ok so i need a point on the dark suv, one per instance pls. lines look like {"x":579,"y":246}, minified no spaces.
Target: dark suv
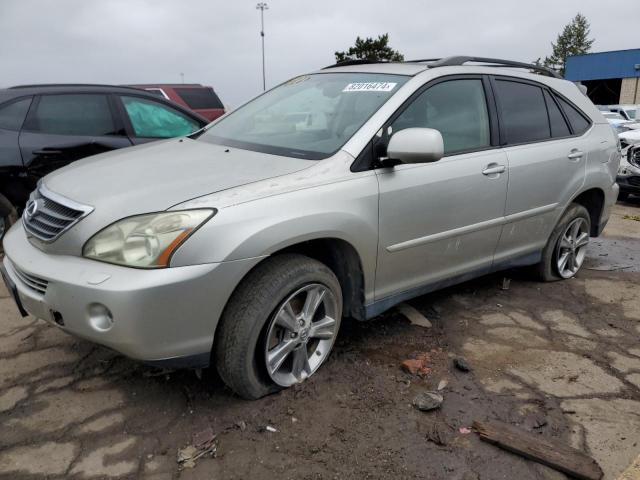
{"x":44,"y":127}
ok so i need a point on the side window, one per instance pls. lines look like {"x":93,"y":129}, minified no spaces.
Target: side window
{"x":559,"y":127}
{"x":77,"y":114}
{"x":457,"y":109}
{"x":579,"y":124}
{"x":523,"y":112}
{"x":151,"y":119}
{"x":12,"y":114}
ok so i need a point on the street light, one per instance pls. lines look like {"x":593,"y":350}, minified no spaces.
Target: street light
{"x":262,"y":6}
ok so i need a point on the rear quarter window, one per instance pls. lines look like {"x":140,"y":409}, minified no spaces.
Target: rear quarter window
{"x":199,"y":98}
{"x":577,"y":119}
{"x":12,"y":114}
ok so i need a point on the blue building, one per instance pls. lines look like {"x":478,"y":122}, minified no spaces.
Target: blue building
{"x":610,"y":77}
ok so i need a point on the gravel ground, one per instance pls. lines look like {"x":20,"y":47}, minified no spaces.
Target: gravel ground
{"x":560,"y":359}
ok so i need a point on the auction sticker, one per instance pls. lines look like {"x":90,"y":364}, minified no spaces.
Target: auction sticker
{"x":370,"y":87}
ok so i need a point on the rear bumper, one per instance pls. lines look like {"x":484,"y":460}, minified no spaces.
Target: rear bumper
{"x":166,"y":316}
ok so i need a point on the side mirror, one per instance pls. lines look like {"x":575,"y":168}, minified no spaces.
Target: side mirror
{"x":416,"y":145}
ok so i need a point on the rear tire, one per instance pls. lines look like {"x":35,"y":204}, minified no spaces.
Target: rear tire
{"x":249,"y":331}
{"x":560,"y":243}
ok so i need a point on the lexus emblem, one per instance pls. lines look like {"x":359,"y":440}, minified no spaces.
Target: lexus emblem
{"x":32,"y":208}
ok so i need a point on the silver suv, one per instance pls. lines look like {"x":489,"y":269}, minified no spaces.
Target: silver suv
{"x":336,"y":194}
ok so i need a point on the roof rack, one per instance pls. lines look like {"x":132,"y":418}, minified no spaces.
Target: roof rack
{"x":457,"y":61}
{"x":360,"y":61}
{"x":53,"y":85}
{"x":497,"y":62}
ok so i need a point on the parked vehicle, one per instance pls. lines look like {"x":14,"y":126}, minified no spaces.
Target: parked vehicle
{"x":629,"y":173}
{"x":618,"y":122}
{"x":244,"y":245}
{"x":628,"y":112}
{"x":199,"y":98}
{"x":44,"y":127}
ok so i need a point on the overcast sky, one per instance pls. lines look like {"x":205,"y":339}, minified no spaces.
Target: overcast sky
{"x":217,"y":43}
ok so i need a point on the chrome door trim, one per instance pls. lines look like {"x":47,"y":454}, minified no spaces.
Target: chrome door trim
{"x":471,"y":228}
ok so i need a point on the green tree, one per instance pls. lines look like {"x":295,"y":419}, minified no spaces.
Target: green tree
{"x":574,"y":40}
{"x":371,"y":49}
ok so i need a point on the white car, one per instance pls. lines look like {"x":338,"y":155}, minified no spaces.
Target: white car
{"x":628,"y":111}
{"x":619,"y":123}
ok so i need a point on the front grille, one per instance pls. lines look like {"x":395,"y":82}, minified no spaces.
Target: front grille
{"x":36,"y":284}
{"x":635,"y":181}
{"x":48,"y":215}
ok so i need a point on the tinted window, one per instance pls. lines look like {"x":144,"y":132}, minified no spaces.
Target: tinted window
{"x":199,"y":97}
{"x":154,"y":120}
{"x":457,"y":109}
{"x":12,"y":115}
{"x":72,"y":115}
{"x":579,"y":124}
{"x":559,"y":127}
{"x":522,"y":112}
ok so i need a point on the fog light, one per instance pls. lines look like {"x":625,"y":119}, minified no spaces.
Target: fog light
{"x":100,"y":317}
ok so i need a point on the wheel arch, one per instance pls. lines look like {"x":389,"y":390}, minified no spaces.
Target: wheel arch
{"x":593,"y":200}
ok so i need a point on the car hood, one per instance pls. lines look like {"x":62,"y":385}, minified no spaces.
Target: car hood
{"x":156,"y":176}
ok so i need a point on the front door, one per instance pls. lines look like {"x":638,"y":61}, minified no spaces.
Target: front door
{"x":63,"y":128}
{"x":441,"y":221}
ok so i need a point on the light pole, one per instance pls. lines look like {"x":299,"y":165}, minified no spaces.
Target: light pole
{"x":262,"y":6}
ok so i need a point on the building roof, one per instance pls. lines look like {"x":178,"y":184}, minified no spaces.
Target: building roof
{"x":603,"y":65}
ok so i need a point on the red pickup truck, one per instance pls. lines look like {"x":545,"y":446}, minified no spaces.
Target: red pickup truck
{"x":198,"y":98}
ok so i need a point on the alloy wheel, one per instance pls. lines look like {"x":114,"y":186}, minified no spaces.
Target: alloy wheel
{"x":301,"y":334}
{"x":572,"y":248}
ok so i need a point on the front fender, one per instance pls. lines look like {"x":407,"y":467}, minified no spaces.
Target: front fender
{"x":345,"y":210}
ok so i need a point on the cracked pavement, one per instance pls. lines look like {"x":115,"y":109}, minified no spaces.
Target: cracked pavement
{"x":561,"y":359}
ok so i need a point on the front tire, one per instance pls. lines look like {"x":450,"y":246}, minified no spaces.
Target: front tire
{"x":566,"y":248}
{"x":8,"y":216}
{"x":279,"y":325}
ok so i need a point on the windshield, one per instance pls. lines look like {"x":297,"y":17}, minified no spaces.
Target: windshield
{"x":311,"y":116}
{"x":631,"y":112}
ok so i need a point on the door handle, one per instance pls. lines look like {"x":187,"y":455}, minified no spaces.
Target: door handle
{"x":575,"y":154}
{"x":493,"y":169}
{"x":47,"y":152}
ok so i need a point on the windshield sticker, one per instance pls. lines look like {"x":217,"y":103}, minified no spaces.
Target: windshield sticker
{"x":370,"y":87}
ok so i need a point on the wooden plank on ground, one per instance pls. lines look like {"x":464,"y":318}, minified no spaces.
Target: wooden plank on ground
{"x":534,"y":447}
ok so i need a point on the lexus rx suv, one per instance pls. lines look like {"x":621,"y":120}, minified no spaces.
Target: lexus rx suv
{"x":338,"y":193}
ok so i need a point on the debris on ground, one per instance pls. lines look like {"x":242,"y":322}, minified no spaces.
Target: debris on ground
{"x":506,"y":282}
{"x":413,"y":315}
{"x":464,"y":430}
{"x":157,"y":372}
{"x":548,"y":452}
{"x":267,"y":428}
{"x":632,"y":217}
{"x":242,"y":425}
{"x":438,"y":433}
{"x":426,"y":401}
{"x":534,"y":421}
{"x":203,"y":443}
{"x":443,"y":384}
{"x":461,"y":364}
{"x":418,"y":365}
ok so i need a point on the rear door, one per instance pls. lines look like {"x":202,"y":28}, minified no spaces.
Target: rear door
{"x":441,"y":221}
{"x":62,"y":128}
{"x":12,"y":116}
{"x":147,"y":120}
{"x":547,"y":164}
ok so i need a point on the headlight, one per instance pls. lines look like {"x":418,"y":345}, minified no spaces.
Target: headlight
{"x":145,"y":241}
